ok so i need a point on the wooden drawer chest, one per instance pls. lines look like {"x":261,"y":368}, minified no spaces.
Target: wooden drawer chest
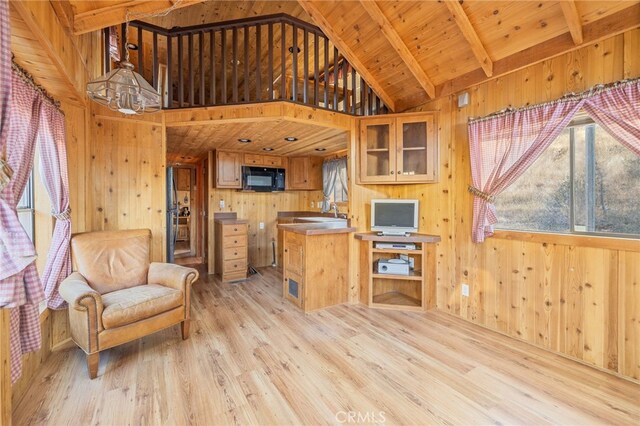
{"x":231,"y":248}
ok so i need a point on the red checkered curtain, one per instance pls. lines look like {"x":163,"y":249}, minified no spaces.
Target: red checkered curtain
{"x":617,"y":110}
{"x":20,"y":287}
{"x":53,"y":169}
{"x":5,"y":89}
{"x":502,"y":147}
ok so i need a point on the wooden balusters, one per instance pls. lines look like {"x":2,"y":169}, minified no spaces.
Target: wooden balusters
{"x":305,"y":66}
{"x":201,"y":65}
{"x":258,"y":63}
{"x":169,"y":72}
{"x":335,"y":79}
{"x":190,"y":69}
{"x":140,"y":57}
{"x":180,"y":74}
{"x":207,"y":67}
{"x":234,"y":69}
{"x":294,"y":66}
{"x":283,"y":65}
{"x":316,"y":68}
{"x":154,"y":55}
{"x":326,"y":72}
{"x":270,"y":70}
{"x":212,"y":62}
{"x":223,"y":39}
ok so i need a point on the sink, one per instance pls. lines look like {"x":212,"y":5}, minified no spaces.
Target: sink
{"x":321,"y":219}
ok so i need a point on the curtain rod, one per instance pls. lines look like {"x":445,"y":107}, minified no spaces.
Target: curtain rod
{"x":28,"y":78}
{"x":571,"y":96}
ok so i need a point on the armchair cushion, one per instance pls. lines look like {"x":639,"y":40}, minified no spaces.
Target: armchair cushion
{"x":134,"y":304}
{"x":112,"y":260}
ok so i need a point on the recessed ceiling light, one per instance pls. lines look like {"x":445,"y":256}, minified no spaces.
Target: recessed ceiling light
{"x":267,"y":149}
{"x":290,"y":139}
{"x":291,"y":49}
{"x":321,"y":149}
{"x":244,"y":140}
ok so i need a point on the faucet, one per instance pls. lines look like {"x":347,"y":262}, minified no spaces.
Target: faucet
{"x":334,"y":207}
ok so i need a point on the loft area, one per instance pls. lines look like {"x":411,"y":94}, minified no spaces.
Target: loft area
{"x":252,"y":60}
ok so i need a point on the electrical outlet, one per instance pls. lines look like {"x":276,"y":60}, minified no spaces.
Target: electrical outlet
{"x":221,"y":204}
{"x":312,"y":204}
{"x":261,"y":225}
{"x":465,"y":290}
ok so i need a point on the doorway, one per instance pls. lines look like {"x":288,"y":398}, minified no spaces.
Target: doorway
{"x":184,"y":208}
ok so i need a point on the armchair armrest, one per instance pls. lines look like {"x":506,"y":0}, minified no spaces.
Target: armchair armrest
{"x":170,"y":275}
{"x":79,"y":295}
{"x":85,"y":311}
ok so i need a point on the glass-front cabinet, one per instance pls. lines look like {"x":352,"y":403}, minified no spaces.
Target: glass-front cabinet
{"x":400,"y":148}
{"x":378,"y":150}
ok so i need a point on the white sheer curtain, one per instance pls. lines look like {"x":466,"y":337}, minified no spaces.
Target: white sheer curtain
{"x":334,"y":182}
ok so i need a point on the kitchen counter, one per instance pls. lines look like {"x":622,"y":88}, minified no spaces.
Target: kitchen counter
{"x":317,"y":228}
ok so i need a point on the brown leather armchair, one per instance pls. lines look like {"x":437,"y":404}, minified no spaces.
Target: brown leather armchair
{"x":116,"y":295}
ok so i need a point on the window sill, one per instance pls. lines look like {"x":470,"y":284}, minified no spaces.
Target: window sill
{"x":611,"y":243}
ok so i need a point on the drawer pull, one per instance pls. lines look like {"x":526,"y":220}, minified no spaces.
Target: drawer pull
{"x":235,"y":241}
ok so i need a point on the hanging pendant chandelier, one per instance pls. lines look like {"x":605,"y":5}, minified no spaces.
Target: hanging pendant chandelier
{"x":124,"y":90}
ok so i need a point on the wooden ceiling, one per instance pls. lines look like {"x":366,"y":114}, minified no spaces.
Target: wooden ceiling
{"x":411,"y":51}
{"x":192,"y":142}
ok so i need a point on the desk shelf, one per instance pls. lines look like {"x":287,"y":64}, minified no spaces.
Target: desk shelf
{"x":412,"y":292}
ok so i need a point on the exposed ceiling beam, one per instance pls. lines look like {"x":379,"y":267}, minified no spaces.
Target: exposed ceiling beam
{"x":462,"y":20}
{"x":394,"y":39}
{"x":315,"y":14}
{"x":607,"y":27}
{"x":64,"y":12}
{"x":116,"y":13}
{"x":572,"y":17}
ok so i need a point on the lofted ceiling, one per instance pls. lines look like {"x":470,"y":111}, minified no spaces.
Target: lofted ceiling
{"x":412,"y":51}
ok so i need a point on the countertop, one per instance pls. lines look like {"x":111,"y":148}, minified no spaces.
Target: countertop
{"x":316,"y":228}
{"x":303,"y":214}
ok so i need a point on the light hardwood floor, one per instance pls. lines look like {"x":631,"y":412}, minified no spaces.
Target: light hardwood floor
{"x":255,"y":359}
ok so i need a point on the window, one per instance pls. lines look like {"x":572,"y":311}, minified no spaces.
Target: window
{"x":26,"y":208}
{"x":585,"y":182}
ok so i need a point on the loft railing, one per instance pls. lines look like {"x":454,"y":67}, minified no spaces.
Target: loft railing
{"x":269,"y":58}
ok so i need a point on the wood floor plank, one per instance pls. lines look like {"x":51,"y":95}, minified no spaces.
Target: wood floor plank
{"x":254,"y":358}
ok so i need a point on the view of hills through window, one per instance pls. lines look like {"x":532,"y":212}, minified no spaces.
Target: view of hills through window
{"x":602,"y":175}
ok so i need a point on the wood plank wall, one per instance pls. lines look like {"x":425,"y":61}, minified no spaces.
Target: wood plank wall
{"x":256,"y":208}
{"x":576,"y":300}
{"x":127,"y":175}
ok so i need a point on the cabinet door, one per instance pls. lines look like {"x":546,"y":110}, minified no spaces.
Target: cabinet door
{"x":377,"y":150}
{"x":293,"y":253}
{"x":183,"y":180}
{"x":253,"y":159}
{"x":298,"y":168}
{"x":228,"y":169}
{"x":416,"y":149}
{"x":272,"y":160}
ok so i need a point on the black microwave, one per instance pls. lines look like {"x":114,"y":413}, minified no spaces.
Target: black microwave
{"x":262,"y":179}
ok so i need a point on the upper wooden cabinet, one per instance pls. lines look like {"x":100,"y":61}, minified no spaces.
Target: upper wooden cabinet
{"x":305,"y":173}
{"x":183,"y":181}
{"x":399,"y":148}
{"x":228,"y":170}
{"x":263,"y":160}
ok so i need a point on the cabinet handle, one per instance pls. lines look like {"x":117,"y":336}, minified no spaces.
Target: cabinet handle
{"x":237,"y":179}
{"x":286,"y":251}
{"x":391,"y":172}
{"x":399,"y":172}
{"x":235,"y":229}
{"x":235,"y":241}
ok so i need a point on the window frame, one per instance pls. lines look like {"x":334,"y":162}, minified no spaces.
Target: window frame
{"x":581,"y":119}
